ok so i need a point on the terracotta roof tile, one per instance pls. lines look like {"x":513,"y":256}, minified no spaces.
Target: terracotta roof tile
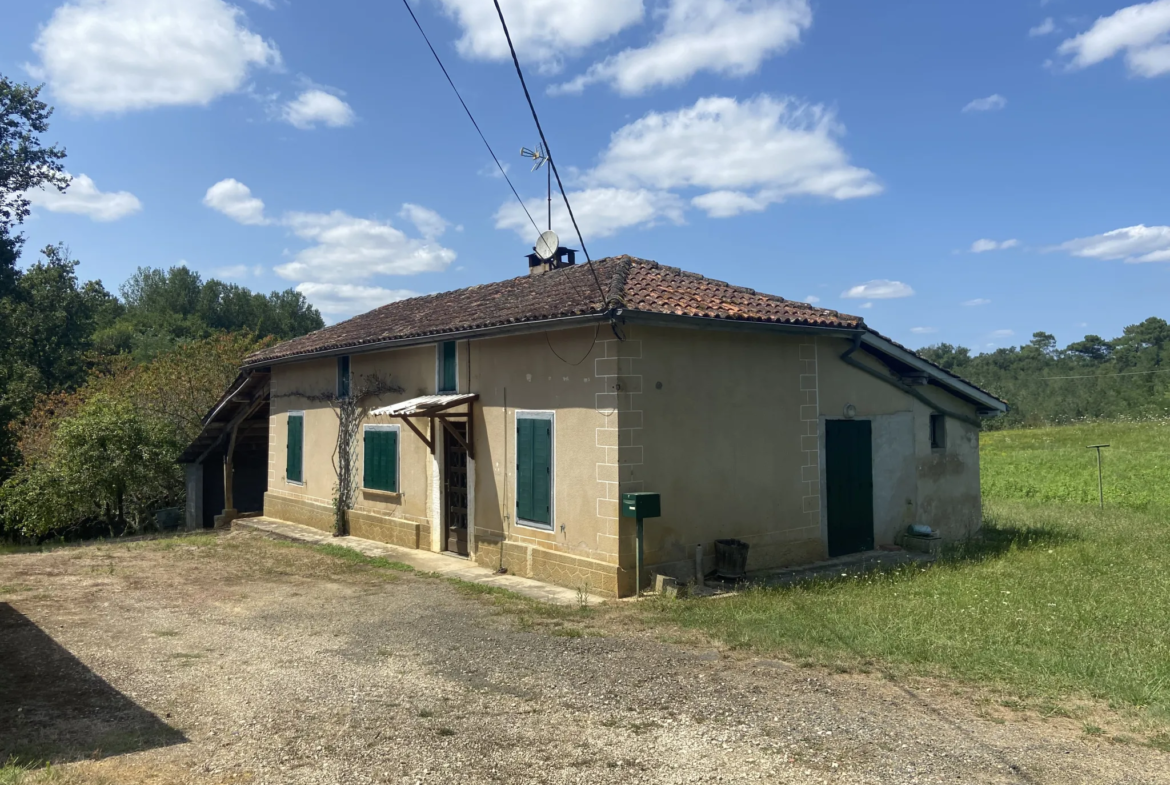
{"x":630,"y":283}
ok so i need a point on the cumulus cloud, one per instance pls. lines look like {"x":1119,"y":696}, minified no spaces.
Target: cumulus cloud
{"x":880,"y":289}
{"x":1047,"y":27}
{"x":238,"y":271}
{"x":812,"y":299}
{"x":1141,"y":32}
{"x":83,"y":197}
{"x":429,"y":223}
{"x":235,"y":200}
{"x":346,"y":248}
{"x":1134,"y":244}
{"x":983,"y":246}
{"x":744,"y":155}
{"x":600,"y":212}
{"x":727,"y":37}
{"x":341,"y":300}
{"x":317,"y":107}
{"x":923,"y":330}
{"x":977,"y":302}
{"x":544,"y":31}
{"x":120,"y":55}
{"x":989,"y":104}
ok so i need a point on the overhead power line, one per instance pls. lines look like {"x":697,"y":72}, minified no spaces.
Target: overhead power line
{"x":471,"y":117}
{"x":1108,"y":375}
{"x":548,"y":151}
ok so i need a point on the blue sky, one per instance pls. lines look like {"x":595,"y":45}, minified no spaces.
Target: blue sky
{"x":967,"y":172}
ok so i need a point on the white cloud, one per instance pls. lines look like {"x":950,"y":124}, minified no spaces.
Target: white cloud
{"x":543,"y":31}
{"x":118,"y":55}
{"x":867,"y":305}
{"x":347,"y":248}
{"x":1141,"y":31}
{"x":82,"y":197}
{"x":812,"y":299}
{"x":235,"y":200}
{"x":1134,"y":244}
{"x":983,"y":246}
{"x":600,"y":212}
{"x":924,"y":330}
{"x":343,"y":300}
{"x":429,"y":223}
{"x":316,"y":107}
{"x":1047,"y":27}
{"x":977,"y":302}
{"x":746,"y":155}
{"x":989,"y":104}
{"x":880,"y":289}
{"x":727,"y":37}
{"x":1002,"y":334}
{"x":238,"y":271}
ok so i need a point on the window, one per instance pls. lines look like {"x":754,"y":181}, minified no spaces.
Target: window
{"x":380,"y":465}
{"x":938,"y":431}
{"x":294,"y":466}
{"x":343,"y":377}
{"x":534,"y":465}
{"x":448,"y":367}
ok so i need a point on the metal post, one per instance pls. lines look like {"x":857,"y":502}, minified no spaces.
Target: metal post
{"x":638,"y":566}
{"x":1100,"y":477}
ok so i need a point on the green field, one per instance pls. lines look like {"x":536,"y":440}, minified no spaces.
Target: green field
{"x":1058,"y":607}
{"x":1054,"y":464}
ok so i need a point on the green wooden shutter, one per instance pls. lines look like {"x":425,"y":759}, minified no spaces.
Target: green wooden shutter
{"x":380,"y":471}
{"x":295,"y":456}
{"x":542,"y":471}
{"x":534,"y":470}
{"x":447,"y":376}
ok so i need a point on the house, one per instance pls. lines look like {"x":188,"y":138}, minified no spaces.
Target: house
{"x":502,"y":423}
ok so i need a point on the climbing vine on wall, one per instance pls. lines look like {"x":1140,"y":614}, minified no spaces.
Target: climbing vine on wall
{"x":351,"y":411}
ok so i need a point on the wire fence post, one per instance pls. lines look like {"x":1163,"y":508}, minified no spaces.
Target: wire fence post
{"x":1100,"y":479}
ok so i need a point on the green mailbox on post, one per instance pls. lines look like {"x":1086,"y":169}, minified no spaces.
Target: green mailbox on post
{"x":640,"y":505}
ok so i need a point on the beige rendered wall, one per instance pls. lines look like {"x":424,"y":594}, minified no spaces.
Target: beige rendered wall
{"x":730,"y":432}
{"x":510,"y":374}
{"x":913,"y":483}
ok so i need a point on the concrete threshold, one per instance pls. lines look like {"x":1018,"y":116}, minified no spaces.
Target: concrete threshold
{"x":446,"y":565}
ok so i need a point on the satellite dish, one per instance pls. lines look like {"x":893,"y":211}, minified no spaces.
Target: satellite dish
{"x":546,"y":246}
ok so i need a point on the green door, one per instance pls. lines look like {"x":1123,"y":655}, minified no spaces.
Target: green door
{"x":849,"y":485}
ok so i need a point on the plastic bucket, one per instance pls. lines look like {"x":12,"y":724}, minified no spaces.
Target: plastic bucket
{"x":731,"y":559}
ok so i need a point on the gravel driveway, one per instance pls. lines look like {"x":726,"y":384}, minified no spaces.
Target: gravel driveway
{"x":240,"y":659}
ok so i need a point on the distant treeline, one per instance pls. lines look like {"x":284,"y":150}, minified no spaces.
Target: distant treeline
{"x":1094,"y":378}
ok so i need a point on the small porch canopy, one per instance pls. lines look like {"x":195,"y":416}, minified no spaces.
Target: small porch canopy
{"x":436,"y":407}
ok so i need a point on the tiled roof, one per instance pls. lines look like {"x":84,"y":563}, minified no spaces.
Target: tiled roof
{"x":629,"y":283}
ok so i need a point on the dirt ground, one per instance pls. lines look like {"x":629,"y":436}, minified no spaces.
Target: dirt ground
{"x":240,"y":659}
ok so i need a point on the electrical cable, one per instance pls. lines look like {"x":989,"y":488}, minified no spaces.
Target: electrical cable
{"x":1107,"y":375}
{"x":588,"y":351}
{"x":548,"y":153}
{"x":472,"y":118}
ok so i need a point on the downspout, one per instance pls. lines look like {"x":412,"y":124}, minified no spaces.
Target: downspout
{"x":848,"y":359}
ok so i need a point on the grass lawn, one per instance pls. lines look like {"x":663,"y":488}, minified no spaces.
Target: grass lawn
{"x":1058,"y":603}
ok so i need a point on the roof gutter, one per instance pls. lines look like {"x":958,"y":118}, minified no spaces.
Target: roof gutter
{"x":849,"y":360}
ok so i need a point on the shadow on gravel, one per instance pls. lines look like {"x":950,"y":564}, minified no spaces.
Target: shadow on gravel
{"x":54,"y":709}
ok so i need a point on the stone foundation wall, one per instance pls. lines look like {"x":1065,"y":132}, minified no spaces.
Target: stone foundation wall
{"x":572,"y":572}
{"x":306,"y":513}
{"x":382,"y":528}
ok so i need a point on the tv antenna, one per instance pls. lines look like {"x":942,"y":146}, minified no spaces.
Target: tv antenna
{"x":539,"y":158}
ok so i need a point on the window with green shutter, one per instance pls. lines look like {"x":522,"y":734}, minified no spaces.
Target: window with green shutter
{"x":534,"y":468}
{"x":448,"y":367}
{"x":380,"y":465}
{"x":294,"y":466}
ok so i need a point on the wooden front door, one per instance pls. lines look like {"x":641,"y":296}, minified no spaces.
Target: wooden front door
{"x":849,"y":485}
{"x":455,"y":490}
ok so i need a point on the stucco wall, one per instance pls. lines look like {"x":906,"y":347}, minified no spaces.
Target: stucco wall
{"x":726,"y":425}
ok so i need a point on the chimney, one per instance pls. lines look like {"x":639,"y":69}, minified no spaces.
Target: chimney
{"x":564,"y":257}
